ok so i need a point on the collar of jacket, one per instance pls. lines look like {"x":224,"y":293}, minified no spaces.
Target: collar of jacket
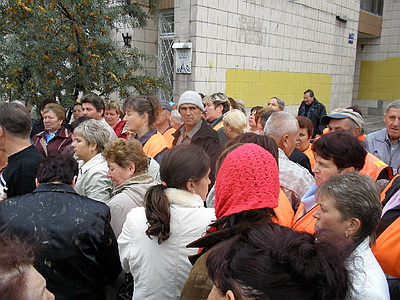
{"x":55,"y":187}
{"x":204,"y":132}
{"x":142,"y":178}
{"x":183,"y":198}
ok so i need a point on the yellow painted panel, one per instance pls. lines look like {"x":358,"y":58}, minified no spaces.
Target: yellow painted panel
{"x":257,"y":87}
{"x":380,"y":80}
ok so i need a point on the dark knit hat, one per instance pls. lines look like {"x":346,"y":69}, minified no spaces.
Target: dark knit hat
{"x":247,"y":179}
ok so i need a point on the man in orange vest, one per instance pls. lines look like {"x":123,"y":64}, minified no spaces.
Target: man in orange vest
{"x":346,"y":119}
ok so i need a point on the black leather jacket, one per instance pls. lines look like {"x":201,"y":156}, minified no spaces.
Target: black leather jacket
{"x":317,"y":111}
{"x":77,"y":252}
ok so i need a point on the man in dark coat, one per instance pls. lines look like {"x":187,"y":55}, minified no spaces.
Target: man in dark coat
{"x":18,"y":177}
{"x":76,"y":249}
{"x":314,"y":110}
{"x":195,"y":129}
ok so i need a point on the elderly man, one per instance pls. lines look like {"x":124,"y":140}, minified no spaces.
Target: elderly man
{"x":384,"y":143}
{"x":18,"y":177}
{"x":346,"y":119}
{"x":195,"y":129}
{"x":77,"y":252}
{"x":276,"y":104}
{"x":93,"y":106}
{"x":294,"y":179}
{"x":314,"y":110}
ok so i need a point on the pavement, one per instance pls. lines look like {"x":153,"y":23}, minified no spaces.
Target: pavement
{"x":373,"y":123}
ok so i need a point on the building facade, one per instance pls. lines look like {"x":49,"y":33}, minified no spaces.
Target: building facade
{"x":348,"y":52}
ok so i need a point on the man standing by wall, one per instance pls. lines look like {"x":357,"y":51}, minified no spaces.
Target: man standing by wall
{"x":314,"y":110}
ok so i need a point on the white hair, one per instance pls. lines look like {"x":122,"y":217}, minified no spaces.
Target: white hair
{"x":281,"y":123}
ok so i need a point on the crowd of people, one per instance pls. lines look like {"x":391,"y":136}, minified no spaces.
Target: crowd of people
{"x":198,"y":199}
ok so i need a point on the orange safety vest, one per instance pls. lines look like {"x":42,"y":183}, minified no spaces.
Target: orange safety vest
{"x":386,"y":248}
{"x":284,"y":212}
{"x":168,"y":135}
{"x":304,"y":222}
{"x":155,"y":144}
{"x":373,"y":166}
{"x":218,"y":126}
{"x":310,"y":155}
{"x":383,"y":194}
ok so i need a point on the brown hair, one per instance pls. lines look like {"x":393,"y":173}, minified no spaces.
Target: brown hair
{"x":57,"y":109}
{"x":305,"y":122}
{"x":123,"y":152}
{"x":180,"y":164}
{"x":144,"y":104}
{"x":15,"y":260}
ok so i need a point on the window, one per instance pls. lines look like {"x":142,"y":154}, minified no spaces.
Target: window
{"x":372,"y":6}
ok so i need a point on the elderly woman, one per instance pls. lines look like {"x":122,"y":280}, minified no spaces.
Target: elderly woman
{"x":303,"y":141}
{"x":268,"y":262}
{"x":127,"y":168}
{"x":112,"y":116}
{"x":234,"y":122}
{"x":335,"y":153}
{"x":349,"y":205}
{"x":55,"y":137}
{"x":215,"y":106}
{"x":90,"y":138}
{"x":140,"y":114}
{"x":153,"y":240}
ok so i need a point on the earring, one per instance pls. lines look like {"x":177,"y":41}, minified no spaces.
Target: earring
{"x":346,"y":235}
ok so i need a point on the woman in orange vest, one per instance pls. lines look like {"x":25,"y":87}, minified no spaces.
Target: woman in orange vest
{"x":303,"y":141}
{"x":350,"y":207}
{"x":140,"y":114}
{"x":335,"y":153}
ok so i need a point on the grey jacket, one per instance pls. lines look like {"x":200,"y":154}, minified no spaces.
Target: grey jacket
{"x":379,"y":145}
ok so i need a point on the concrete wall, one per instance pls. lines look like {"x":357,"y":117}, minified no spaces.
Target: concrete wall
{"x":377,"y":80}
{"x":254,"y":49}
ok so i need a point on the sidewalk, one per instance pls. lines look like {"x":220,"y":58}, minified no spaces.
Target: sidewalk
{"x":373,"y":123}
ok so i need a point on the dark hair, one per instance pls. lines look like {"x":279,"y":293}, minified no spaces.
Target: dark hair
{"x":144,"y":104}
{"x":15,"y":120}
{"x":264,"y":141}
{"x":310,"y":92}
{"x":263,"y":115}
{"x":15,"y":260}
{"x":95,"y":100}
{"x":78,"y":122}
{"x":354,"y":196}
{"x":343,"y":148}
{"x":57,"y":168}
{"x":272,"y":262}
{"x":180,"y":164}
{"x":255,"y":108}
{"x":47,"y":101}
{"x":305,"y":122}
{"x":76,"y":103}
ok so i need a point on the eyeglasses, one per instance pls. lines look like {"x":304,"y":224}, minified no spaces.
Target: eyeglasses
{"x":77,"y":110}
